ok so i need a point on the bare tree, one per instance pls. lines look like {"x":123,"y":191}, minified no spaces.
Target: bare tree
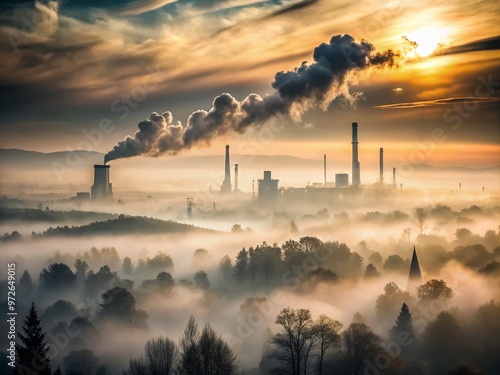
{"x":421,"y":214}
{"x":359,"y":341}
{"x":160,"y":356}
{"x":327,"y":331}
{"x":293,"y":346}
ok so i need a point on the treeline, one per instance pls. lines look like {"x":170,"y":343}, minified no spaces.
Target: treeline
{"x":431,"y":344}
{"x":439,"y":346}
{"x":122,"y":225}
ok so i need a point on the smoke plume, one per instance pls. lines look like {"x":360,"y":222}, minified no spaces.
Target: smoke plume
{"x":297,"y":91}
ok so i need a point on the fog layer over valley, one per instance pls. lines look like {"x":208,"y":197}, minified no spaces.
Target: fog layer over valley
{"x":112,"y":282}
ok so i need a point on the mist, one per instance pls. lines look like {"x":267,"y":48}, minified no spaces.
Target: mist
{"x":458,"y":242}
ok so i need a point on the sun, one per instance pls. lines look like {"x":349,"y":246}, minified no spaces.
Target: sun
{"x":424,"y":42}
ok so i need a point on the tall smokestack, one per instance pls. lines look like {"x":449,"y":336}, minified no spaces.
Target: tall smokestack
{"x":356,"y":181}
{"x":394,"y":176}
{"x":324,"y":166}
{"x":381,"y":178}
{"x":226,"y":185}
{"x":236,"y":177}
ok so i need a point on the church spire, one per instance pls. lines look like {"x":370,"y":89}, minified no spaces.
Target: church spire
{"x":415,"y":276}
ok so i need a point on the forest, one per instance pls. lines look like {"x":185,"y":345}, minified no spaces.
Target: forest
{"x":305,"y":305}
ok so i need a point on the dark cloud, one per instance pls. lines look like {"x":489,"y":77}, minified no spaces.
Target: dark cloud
{"x":293,"y":7}
{"x":488,"y":44}
{"x":297,"y":91}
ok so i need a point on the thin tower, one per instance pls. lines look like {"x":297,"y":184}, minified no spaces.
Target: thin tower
{"x":356,"y":180}
{"x":381,"y":178}
{"x":226,"y":185}
{"x":236,"y":177}
{"x":324,"y":167}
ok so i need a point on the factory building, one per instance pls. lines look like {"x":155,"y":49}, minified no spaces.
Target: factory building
{"x":341,"y":180}
{"x":268,"y":189}
{"x":226,"y":184}
{"x":102,"y":188}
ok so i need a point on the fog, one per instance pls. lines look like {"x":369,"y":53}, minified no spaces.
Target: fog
{"x":458,"y":241}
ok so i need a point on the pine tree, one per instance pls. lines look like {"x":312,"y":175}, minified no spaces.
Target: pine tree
{"x":403,"y":332}
{"x":58,"y":371}
{"x":32,"y":353}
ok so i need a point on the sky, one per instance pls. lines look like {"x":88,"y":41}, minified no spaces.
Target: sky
{"x":76,"y":70}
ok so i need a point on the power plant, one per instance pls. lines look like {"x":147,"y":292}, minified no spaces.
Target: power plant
{"x":102,"y":188}
{"x":268,"y":190}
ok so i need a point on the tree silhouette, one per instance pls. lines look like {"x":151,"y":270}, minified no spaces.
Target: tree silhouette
{"x":205,"y":353}
{"x":359,"y":341}
{"x":57,"y":276}
{"x":60,"y":310}
{"x":371,"y":271}
{"x":165,"y":281}
{"x":293,"y":346}
{"x":201,"y":280}
{"x":403,"y":332}
{"x":421,"y":214}
{"x":434,"y":290}
{"x":160,"y":356}
{"x":81,"y":268}
{"x":241,"y":266}
{"x":58,"y":371}
{"x":226,"y":266}
{"x":32,"y":352}
{"x":389,"y":303}
{"x":119,"y":305}
{"x":127,"y":267}
{"x":327,"y":331}
{"x":445,"y":343}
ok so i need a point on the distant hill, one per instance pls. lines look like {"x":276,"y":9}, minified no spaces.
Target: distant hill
{"x":430,"y":168}
{"x":24,"y":159}
{"x":124,"y":225}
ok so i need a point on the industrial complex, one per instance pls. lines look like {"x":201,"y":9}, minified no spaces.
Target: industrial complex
{"x":269,"y":191}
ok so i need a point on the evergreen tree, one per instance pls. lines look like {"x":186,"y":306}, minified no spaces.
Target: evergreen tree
{"x":403,"y":332}
{"x":58,"y":371}
{"x":32,"y":352}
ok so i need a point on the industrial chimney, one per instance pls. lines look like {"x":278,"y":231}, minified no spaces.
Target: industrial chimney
{"x":356,"y":181}
{"x":381,"y":178}
{"x":236,"y":178}
{"x":226,"y":185}
{"x":102,"y":188}
{"x":324,"y":166}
